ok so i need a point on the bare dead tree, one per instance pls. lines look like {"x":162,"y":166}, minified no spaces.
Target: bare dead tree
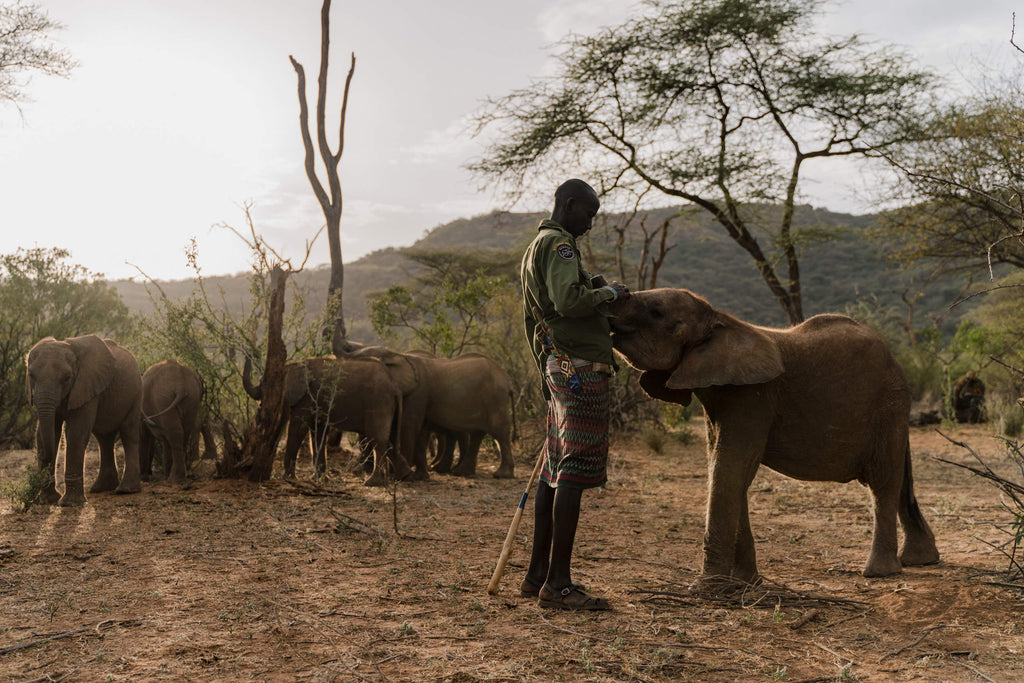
{"x":331,"y":198}
{"x":258,"y":445}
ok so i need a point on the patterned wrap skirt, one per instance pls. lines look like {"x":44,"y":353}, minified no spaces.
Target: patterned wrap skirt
{"x":577,"y":443}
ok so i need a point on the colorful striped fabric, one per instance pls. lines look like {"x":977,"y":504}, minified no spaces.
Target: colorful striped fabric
{"x":577,"y":445}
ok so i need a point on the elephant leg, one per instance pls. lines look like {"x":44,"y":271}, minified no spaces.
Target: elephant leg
{"x":107,"y":478}
{"x":146,"y":454}
{"x":468,"y":456}
{"x":919,"y":541}
{"x":297,"y":431}
{"x":882,"y":560}
{"x":507,"y":468}
{"x":735,"y":458}
{"x":445,"y":451}
{"x":745,"y":562}
{"x":209,"y":444}
{"x":419,"y":459}
{"x":381,"y":456}
{"x":175,"y":440}
{"x":131,"y":478}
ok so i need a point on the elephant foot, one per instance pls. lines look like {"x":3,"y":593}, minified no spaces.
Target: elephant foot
{"x":48,"y":496}
{"x":443,"y":468}
{"x":129,"y":488}
{"x":104,"y":482}
{"x":877,"y":566}
{"x":916,"y":555}
{"x":400,"y":469}
{"x":376,"y":479}
{"x":179,"y":481}
{"x":464,"y":471}
{"x":418,"y":475}
{"x":72,"y":499}
{"x":505,"y":472}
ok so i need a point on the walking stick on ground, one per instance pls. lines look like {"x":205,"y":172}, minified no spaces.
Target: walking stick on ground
{"x":492,"y":587}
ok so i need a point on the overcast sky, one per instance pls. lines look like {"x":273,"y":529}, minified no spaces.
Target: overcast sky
{"x":183,"y":110}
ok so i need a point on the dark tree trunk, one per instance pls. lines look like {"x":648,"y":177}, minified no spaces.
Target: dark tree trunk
{"x":260,"y":442}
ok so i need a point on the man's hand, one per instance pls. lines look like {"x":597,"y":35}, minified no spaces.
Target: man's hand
{"x":620,"y":290}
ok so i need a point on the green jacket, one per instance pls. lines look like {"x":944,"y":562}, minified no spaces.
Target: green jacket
{"x":557,"y":295}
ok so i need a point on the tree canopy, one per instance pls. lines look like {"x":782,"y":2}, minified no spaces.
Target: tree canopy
{"x":719,"y":103}
{"x":25,"y":47}
{"x":42,"y":294}
{"x":966,"y":189}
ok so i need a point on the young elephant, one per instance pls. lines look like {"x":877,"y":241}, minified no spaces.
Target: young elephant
{"x":171,"y":394}
{"x":822,"y":401}
{"x":325,"y":394}
{"x":85,"y":385}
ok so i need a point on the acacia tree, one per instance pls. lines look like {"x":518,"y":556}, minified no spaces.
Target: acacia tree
{"x":43,"y":294}
{"x":330,"y":199}
{"x":25,"y":47}
{"x":719,"y":103}
{"x":966,"y":184}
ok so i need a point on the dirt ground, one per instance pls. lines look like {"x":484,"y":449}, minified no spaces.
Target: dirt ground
{"x":228,"y":581}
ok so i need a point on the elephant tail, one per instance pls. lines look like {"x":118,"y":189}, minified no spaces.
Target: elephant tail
{"x":909,"y":509}
{"x":396,"y":426}
{"x":148,"y":419}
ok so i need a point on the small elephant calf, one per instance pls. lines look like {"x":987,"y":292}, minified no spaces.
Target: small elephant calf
{"x":822,"y":401}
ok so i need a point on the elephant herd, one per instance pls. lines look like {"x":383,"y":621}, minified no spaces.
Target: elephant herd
{"x":394,"y":402}
{"x":821,"y":401}
{"x":91,"y":386}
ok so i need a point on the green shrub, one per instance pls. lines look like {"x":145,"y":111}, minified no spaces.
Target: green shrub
{"x":23,"y":492}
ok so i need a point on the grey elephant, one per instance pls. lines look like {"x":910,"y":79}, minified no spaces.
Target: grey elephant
{"x":822,"y":401}
{"x":85,"y":385}
{"x":470,"y":394}
{"x":323,"y":395}
{"x":171,"y":398}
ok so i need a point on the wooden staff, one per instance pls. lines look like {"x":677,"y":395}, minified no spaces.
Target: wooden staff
{"x":506,"y":549}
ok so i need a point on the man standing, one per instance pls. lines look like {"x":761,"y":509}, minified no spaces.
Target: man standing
{"x":571,"y":341}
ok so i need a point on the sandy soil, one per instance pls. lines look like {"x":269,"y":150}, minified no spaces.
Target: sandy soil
{"x":227,"y":581}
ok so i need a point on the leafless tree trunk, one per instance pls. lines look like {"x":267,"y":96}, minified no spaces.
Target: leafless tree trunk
{"x":260,"y":441}
{"x":330,"y":199}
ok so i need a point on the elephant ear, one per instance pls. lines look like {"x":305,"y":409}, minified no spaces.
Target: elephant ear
{"x":653,"y":384}
{"x":95,"y":369}
{"x":734,"y":353}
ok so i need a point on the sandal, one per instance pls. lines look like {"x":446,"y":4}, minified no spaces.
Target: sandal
{"x":528,"y":589}
{"x":572,"y":598}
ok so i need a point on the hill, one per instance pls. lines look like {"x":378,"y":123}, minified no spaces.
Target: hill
{"x":840,"y":266}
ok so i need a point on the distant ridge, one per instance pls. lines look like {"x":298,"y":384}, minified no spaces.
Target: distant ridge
{"x":835,"y":274}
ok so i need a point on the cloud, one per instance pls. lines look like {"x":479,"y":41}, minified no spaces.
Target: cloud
{"x":581,"y":16}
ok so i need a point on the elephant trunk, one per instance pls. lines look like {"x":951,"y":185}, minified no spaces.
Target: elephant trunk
{"x":46,"y":432}
{"x":254,"y":391}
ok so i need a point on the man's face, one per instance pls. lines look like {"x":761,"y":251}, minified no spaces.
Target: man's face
{"x":579,"y":216}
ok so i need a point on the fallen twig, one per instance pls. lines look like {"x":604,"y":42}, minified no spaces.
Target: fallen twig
{"x":96,"y":628}
{"x":975,"y":671}
{"x":808,"y":616}
{"x":924,"y":634}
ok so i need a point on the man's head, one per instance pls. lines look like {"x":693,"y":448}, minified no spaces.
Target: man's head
{"x":576,"y":204}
